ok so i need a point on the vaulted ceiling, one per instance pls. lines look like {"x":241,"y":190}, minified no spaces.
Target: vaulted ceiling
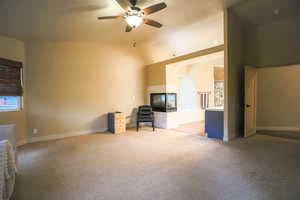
{"x":188,"y":25}
{"x":76,"y":20}
{"x":260,"y":12}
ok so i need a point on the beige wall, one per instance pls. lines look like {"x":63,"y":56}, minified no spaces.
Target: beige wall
{"x":219,"y":73}
{"x":269,"y":45}
{"x":199,"y":77}
{"x":234,"y":85}
{"x":204,"y":33}
{"x":14,"y":50}
{"x":274,"y":44}
{"x":72,"y":86}
{"x":202,"y":75}
{"x":278,"y":98}
{"x":156,"y":73}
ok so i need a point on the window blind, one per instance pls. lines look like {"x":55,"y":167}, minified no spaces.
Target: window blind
{"x":10,"y":78}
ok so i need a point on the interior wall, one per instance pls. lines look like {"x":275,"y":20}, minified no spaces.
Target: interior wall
{"x":196,"y":78}
{"x":14,"y":50}
{"x":274,"y":44}
{"x":270,"y":45}
{"x":234,"y":86}
{"x":155,"y":80}
{"x":278,"y":98}
{"x":156,"y":72}
{"x":72,"y":86}
{"x":219,"y":73}
{"x":203,"y":77}
{"x":264,"y":45}
{"x":185,"y":39}
{"x":156,"y":75}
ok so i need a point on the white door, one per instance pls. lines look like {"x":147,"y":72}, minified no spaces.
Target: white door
{"x":250,"y":100}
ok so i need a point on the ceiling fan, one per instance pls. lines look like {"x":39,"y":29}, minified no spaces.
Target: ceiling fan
{"x":134,"y":16}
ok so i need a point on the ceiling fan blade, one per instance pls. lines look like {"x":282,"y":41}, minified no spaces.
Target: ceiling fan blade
{"x":110,"y":17}
{"x":128,"y":28}
{"x":133,"y":2}
{"x":151,"y":22}
{"x":123,"y":4}
{"x":154,"y":8}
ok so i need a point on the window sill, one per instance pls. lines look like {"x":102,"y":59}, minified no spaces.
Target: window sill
{"x":13,"y":110}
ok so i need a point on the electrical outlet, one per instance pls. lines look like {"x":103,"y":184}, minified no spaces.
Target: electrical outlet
{"x":35,"y":131}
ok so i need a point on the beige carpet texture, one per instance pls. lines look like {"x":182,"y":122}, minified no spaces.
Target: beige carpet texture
{"x":193,"y":127}
{"x":161,"y":165}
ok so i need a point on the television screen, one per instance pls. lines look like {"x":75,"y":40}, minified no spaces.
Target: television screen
{"x":159,"y":100}
{"x":171,"y":103}
{"x":164,"y":102}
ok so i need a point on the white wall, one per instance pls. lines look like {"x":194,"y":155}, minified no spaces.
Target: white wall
{"x":198,"y":78}
{"x":278,"y":98}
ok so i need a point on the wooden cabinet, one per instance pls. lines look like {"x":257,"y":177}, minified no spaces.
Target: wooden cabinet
{"x":117,"y":123}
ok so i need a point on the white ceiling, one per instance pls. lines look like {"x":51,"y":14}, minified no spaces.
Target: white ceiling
{"x":188,"y":25}
{"x":76,"y":20}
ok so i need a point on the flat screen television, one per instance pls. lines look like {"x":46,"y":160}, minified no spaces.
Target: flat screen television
{"x":164,"y":102}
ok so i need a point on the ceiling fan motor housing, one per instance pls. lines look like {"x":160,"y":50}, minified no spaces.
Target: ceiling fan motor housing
{"x":135,"y":8}
{"x":134,"y":16}
{"x":134,"y":11}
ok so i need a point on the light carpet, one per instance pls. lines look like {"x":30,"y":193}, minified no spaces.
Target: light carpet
{"x":165,"y":165}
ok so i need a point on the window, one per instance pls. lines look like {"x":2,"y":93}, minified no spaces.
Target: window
{"x":11,"y":89}
{"x":9,"y":103}
{"x":219,"y":93}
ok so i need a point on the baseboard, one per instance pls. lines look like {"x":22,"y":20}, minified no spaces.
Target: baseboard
{"x":231,"y":137}
{"x":225,"y":138}
{"x":65,"y":135}
{"x":21,"y":142}
{"x":277,"y":128}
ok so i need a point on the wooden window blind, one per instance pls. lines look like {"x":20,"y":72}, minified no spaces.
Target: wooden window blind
{"x":10,"y":78}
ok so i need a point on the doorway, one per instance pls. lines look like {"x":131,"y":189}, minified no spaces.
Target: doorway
{"x":199,"y":83}
{"x":277,"y":96}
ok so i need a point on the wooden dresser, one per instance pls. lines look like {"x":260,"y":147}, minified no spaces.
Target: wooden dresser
{"x":116,"y":122}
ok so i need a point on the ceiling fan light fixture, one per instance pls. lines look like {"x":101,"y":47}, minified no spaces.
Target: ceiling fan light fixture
{"x":134,"y":21}
{"x":134,"y":15}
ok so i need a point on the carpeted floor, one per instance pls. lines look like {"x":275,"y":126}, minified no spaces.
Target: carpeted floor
{"x":165,"y":165}
{"x":193,"y":127}
{"x":295,"y":135}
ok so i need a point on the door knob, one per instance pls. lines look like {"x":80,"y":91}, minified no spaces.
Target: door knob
{"x":248,"y":106}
